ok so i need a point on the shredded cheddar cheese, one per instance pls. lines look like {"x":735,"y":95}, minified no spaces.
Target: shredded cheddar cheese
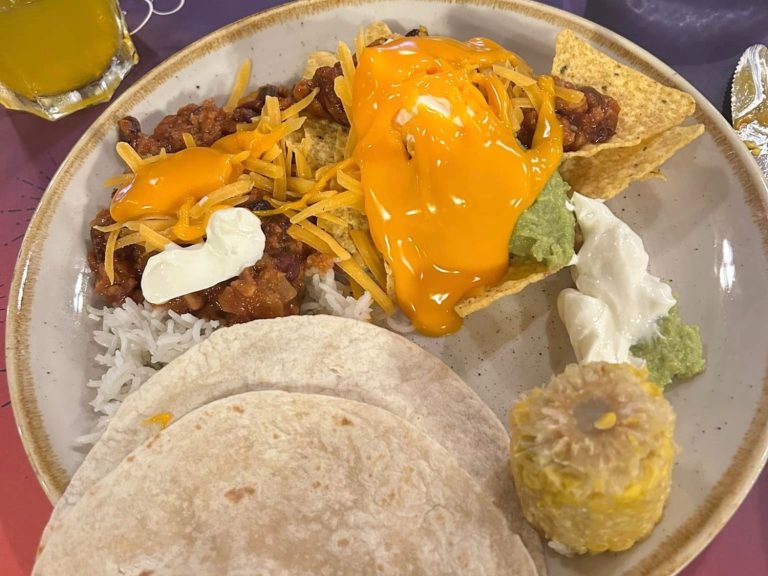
{"x":241,"y":83}
{"x":129,"y":156}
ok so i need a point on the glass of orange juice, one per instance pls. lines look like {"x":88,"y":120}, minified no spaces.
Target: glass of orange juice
{"x":58,"y":56}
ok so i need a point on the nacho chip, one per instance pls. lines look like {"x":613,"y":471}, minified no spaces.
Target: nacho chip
{"x":316,"y":60}
{"x":376,"y":30}
{"x":647,"y":107}
{"x":355,"y":220}
{"x":371,"y":33}
{"x":390,"y":287}
{"x":655,"y":175}
{"x":521,"y":273}
{"x":321,"y":141}
{"x":606,"y":174}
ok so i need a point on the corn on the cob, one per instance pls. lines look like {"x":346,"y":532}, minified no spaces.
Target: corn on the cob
{"x":592,"y":456}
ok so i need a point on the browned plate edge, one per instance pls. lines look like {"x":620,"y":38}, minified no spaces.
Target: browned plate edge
{"x":678,"y":549}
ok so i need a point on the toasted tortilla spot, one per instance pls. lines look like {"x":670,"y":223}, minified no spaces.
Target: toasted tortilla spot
{"x":344,"y":421}
{"x":130,"y":458}
{"x":146,"y":573}
{"x":647,"y":107}
{"x":608,"y":173}
{"x":234,"y":495}
{"x":237,"y":408}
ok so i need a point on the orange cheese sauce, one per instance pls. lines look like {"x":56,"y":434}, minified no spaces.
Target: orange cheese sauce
{"x":162,"y":418}
{"x":161,"y":187}
{"x":444,"y":177}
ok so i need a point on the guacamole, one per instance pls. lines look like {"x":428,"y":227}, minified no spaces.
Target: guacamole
{"x":676,"y":352}
{"x":545,"y":232}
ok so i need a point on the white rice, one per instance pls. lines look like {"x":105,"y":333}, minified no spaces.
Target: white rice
{"x":137,"y":340}
{"x":327,"y":296}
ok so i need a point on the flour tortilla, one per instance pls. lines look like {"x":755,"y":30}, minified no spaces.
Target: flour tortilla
{"x":279,"y":483}
{"x":320,"y":355}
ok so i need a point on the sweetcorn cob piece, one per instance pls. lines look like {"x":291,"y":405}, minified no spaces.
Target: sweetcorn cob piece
{"x":592,"y":455}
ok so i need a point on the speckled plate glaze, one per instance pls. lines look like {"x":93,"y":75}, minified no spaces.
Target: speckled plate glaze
{"x":705,"y":228}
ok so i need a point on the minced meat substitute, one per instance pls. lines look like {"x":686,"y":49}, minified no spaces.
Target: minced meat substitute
{"x":271,"y":288}
{"x":206,"y":122}
{"x":129,"y":263}
{"x":251,"y":105}
{"x":592,"y":121}
{"x":327,"y":104}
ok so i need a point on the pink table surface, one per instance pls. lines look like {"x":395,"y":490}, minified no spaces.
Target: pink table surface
{"x":31,"y":150}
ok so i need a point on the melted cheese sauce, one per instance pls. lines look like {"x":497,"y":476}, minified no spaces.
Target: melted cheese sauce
{"x":161,"y":187}
{"x":445,"y":179}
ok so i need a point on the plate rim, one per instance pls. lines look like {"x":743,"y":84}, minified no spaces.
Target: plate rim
{"x":677,"y":549}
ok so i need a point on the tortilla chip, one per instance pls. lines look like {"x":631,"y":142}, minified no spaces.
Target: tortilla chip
{"x":521,"y":273}
{"x":390,"y":287}
{"x":655,"y":175}
{"x":371,"y":33}
{"x":321,"y":141}
{"x":355,"y":220}
{"x":316,"y":60}
{"x":606,"y":174}
{"x":376,"y":30}
{"x":647,"y":107}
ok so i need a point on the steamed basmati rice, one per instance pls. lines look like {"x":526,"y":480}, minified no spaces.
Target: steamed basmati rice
{"x":327,"y":296}
{"x":138,"y":339}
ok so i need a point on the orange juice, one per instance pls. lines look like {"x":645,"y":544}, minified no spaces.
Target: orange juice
{"x":49,"y":47}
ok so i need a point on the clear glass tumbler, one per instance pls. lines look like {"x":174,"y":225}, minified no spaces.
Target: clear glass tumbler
{"x":58,"y":56}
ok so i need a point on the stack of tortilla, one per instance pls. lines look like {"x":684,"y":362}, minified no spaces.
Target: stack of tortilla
{"x":302,"y":445}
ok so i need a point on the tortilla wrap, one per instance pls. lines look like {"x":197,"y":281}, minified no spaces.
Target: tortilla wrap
{"x":320,"y":355}
{"x":279,"y":483}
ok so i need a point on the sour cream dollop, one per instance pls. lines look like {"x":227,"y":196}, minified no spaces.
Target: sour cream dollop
{"x":234,"y":242}
{"x":617,"y":302}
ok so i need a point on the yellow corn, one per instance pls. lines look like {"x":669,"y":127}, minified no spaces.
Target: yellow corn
{"x":593,"y":482}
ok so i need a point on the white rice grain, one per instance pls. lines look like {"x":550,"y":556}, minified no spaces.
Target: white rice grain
{"x":138,"y":340}
{"x":327,"y":296}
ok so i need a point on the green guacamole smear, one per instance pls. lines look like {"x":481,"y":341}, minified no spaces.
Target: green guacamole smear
{"x":545,"y":232}
{"x":676,"y":352}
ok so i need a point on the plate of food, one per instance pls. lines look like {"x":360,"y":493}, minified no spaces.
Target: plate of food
{"x":392,"y":287}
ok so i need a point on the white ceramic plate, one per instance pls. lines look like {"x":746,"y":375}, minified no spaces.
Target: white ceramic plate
{"x":705,"y":229}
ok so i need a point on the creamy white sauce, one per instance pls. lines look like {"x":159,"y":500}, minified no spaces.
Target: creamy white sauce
{"x":234,"y":241}
{"x":617,"y":302}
